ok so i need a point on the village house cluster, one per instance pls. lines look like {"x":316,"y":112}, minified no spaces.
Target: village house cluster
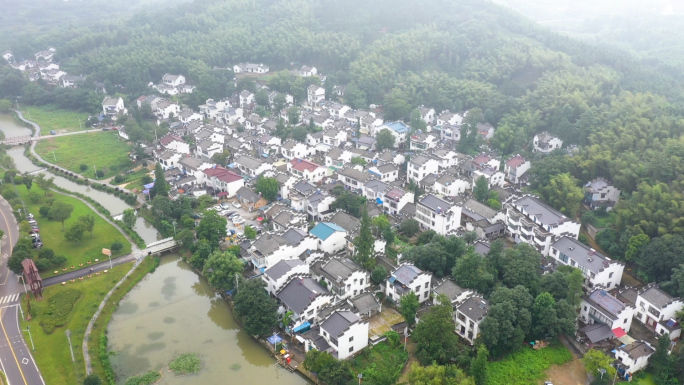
{"x":305,"y":259}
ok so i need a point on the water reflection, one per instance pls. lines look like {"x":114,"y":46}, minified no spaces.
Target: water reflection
{"x":201,"y":324}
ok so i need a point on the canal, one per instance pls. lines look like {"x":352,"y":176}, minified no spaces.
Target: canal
{"x":115,"y":205}
{"x":174,"y":311}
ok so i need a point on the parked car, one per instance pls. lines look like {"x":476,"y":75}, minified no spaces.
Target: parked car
{"x":238,"y":220}
{"x":225,"y":205}
{"x":29,"y":216}
{"x":52,"y":132}
{"x":234,"y":214}
{"x":32,"y":222}
{"x":106,"y":128}
{"x":34,"y":230}
{"x":229,"y":213}
{"x":237,"y":205}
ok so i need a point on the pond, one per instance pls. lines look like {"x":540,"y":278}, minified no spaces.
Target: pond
{"x":115,"y":205}
{"x":174,"y":311}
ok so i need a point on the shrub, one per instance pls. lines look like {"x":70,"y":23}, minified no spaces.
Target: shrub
{"x":99,"y":173}
{"x":58,"y":260}
{"x":119,"y":179}
{"x":116,"y":246}
{"x":83,"y":167}
{"x":186,"y":363}
{"x":146,"y":179}
{"x":44,"y":211}
{"x":46,"y":253}
{"x":43,"y":264}
{"x":145,"y":379}
{"x":58,"y":309}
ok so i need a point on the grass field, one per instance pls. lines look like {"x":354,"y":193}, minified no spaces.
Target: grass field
{"x":99,"y":150}
{"x":52,"y":118}
{"x":527,"y":366}
{"x":52,"y":350}
{"x":134,"y":180}
{"x":88,"y":249}
{"x":647,"y":380}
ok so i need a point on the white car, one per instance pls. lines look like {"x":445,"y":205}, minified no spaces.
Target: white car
{"x":237,"y":205}
{"x":225,"y":205}
{"x":238,"y":220}
{"x":223,"y":212}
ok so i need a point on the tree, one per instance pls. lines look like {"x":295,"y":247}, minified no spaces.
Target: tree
{"x":378,"y":275}
{"x":508,"y":321}
{"x":212,"y":227}
{"x":299,"y":134}
{"x":281,"y":130}
{"x":349,"y":202}
{"x":434,"y":335}
{"x":258,"y":311}
{"x":408,"y":307}
{"x":268,"y":187}
{"x":594,"y":360}
{"x":221,"y":270}
{"x":481,"y":189}
{"x":563,"y":194}
{"x":45,"y":184}
{"x":116,"y":246}
{"x":471,"y":272}
{"x":221,"y":158}
{"x":293,"y":115}
{"x":388,"y":235}
{"x":521,"y":266}
{"x":28,"y":181}
{"x":202,"y":251}
{"x":161,"y":187}
{"x":364,"y":243}
{"x":384,"y":140}
{"x":92,"y":379}
{"x":186,"y":238}
{"x":250,"y":233}
{"x":60,"y":212}
{"x":409,"y":227}
{"x":544,"y":317}
{"x":14,"y":262}
{"x":279,"y":102}
{"x":329,"y":370}
{"x":129,"y":218}
{"x":660,"y":256}
{"x":75,"y":232}
{"x":634,"y":246}
{"x":479,"y":366}
{"x":425,"y":237}
{"x":417,"y":122}
{"x":88,"y":222}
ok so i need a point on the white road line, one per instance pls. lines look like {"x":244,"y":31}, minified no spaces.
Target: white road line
{"x":3,"y":370}
{"x":15,"y":297}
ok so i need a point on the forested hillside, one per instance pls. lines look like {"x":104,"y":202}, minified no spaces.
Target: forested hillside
{"x":625,"y":114}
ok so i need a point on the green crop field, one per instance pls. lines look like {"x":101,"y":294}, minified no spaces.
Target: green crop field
{"x":97,"y":150}
{"x":76,"y":253}
{"x":52,"y":118}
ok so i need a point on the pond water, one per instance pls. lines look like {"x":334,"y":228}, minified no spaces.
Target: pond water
{"x":115,"y":205}
{"x":174,"y":311}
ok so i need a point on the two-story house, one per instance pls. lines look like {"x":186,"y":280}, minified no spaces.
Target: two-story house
{"x":334,"y":137}
{"x":452,"y":291}
{"x":315,"y":94}
{"x":599,"y":193}
{"x":545,"y":143}
{"x":374,"y":190}
{"x":318,"y":205}
{"x":450,"y":185}
{"x":194,"y":166}
{"x":515,"y":167}
{"x":304,"y":297}
{"x":408,"y":278}
{"x":296,"y":150}
{"x":387,"y":172}
{"x":634,"y":357}
{"x":252,"y":68}
{"x":342,"y":276}
{"x":287,"y":219}
{"x":330,"y":237}
{"x":353,"y":178}
{"x":279,"y":274}
{"x":223,"y":181}
{"x":396,"y":199}
{"x":530,"y":220}
{"x":469,"y":315}
{"x":398,"y":129}
{"x":437,"y":214}
{"x":345,"y":332}
{"x":113,"y":106}
{"x":657,"y":310}
{"x":251,"y":166}
{"x":599,"y":271}
{"x":306,"y":169}
{"x":420,"y":167}
{"x":270,"y":248}
{"x":602,"y":307}
{"x":175,"y":143}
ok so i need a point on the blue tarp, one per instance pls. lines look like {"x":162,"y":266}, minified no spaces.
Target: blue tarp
{"x":303,"y":327}
{"x":149,"y":185}
{"x":378,"y":201}
{"x":274,"y":339}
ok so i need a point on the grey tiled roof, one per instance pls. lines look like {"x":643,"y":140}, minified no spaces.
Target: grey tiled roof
{"x":339,"y":268}
{"x":656,"y":296}
{"x":475,"y":308}
{"x":450,"y":289}
{"x":582,"y":254}
{"x":345,"y":221}
{"x":338,"y":322}
{"x":355,"y":174}
{"x":547,"y":215}
{"x":365,"y":303}
{"x":299,"y":293}
{"x":268,"y":243}
{"x":434,"y":203}
{"x":406,"y":274}
{"x":282,"y":267}
{"x":248,"y":162}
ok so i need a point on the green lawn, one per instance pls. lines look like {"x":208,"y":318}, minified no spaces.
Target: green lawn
{"x":101,"y":150}
{"x":52,"y":118}
{"x":382,"y":363}
{"x":527,"y":366}
{"x":52,"y":350}
{"x":647,"y":380}
{"x":77,"y":253}
{"x":134,"y":180}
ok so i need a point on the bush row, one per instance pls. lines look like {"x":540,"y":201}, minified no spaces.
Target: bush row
{"x":58,"y":310}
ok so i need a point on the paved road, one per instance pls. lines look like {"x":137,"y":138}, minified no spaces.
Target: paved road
{"x":76,"y":274}
{"x":15,"y":357}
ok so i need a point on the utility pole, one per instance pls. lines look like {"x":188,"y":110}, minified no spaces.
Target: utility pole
{"x":79,"y":124}
{"x":68,"y":334}
{"x":236,"y":281}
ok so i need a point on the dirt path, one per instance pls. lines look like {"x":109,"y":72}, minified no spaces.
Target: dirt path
{"x":571,"y":373}
{"x":411,"y":348}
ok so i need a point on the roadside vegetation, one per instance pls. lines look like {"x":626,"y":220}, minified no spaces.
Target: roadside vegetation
{"x":50,"y":117}
{"x":52,"y":350}
{"x":87,"y":154}
{"x":76,"y":251}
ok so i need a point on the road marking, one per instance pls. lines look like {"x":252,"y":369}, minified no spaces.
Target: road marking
{"x":24,"y":360}
{"x":10,"y":243}
{"x":5,"y":235}
{"x":4,"y":255}
{"x":3,"y":370}
{"x":11,"y":348}
{"x":9,"y":298}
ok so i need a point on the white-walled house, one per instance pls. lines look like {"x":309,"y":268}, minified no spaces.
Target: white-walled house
{"x":395,"y":199}
{"x":599,"y":271}
{"x":173,"y":80}
{"x":452,"y":291}
{"x":251,"y":68}
{"x":634,"y":357}
{"x":450,"y":185}
{"x":657,"y":310}
{"x":113,"y":106}
{"x":306,"y":170}
{"x":353,"y":178}
{"x":315,"y":94}
{"x":175,"y":143}
{"x":600,"y":306}
{"x":252,"y":166}
{"x":279,"y":274}
{"x":492,"y":175}
{"x":270,"y":248}
{"x":345,"y":332}
{"x":331,"y":237}
{"x":599,"y":193}
{"x":296,"y":150}
{"x":545,"y":143}
{"x":437,"y":214}
{"x":515,"y":168}
{"x":343,"y":276}
{"x":223,"y":181}
{"x":304,"y":297}
{"x":530,"y":220}
{"x":408,"y":278}
{"x":421,"y":166}
{"x":387,"y":172}
{"x":469,"y":315}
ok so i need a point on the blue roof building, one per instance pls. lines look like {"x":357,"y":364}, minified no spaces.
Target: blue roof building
{"x":398,"y":127}
{"x":324,"y":230}
{"x":331,"y":237}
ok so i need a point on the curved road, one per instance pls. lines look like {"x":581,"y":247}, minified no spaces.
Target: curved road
{"x":15,"y":357}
